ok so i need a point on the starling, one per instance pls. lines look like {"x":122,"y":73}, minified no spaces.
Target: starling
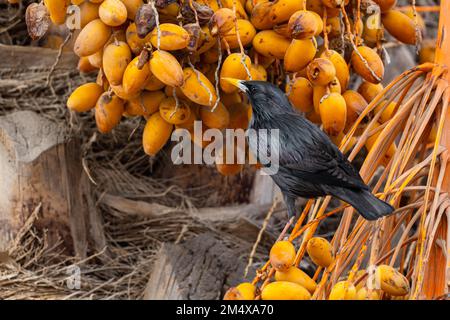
{"x":310,"y":165}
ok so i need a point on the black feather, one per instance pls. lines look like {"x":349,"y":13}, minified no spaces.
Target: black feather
{"x":310,"y":165}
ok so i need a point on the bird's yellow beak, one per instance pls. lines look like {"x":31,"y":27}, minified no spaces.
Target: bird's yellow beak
{"x":232,"y":81}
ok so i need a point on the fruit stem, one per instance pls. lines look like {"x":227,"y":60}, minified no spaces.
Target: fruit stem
{"x":433,"y":281}
{"x":443,"y":58}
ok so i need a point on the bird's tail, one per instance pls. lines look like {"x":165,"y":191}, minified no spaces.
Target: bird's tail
{"x":367,"y":205}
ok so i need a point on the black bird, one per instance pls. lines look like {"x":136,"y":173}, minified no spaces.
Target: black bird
{"x":310,"y":165}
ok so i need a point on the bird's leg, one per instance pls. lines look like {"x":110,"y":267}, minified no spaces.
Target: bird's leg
{"x":290,"y":204}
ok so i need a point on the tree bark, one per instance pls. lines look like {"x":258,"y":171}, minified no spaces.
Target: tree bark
{"x":29,"y":58}
{"x":264,"y":190}
{"x":200,"y":269}
{"x":39,"y":165}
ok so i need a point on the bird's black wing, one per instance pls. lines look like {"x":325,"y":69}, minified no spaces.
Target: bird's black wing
{"x":309,"y":153}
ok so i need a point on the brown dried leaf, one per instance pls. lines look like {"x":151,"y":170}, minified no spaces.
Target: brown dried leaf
{"x":38,"y":20}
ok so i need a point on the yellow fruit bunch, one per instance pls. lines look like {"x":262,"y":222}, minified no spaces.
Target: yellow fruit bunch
{"x":160,"y":60}
{"x":164,"y":60}
{"x":286,"y":281}
{"x":319,"y":85}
